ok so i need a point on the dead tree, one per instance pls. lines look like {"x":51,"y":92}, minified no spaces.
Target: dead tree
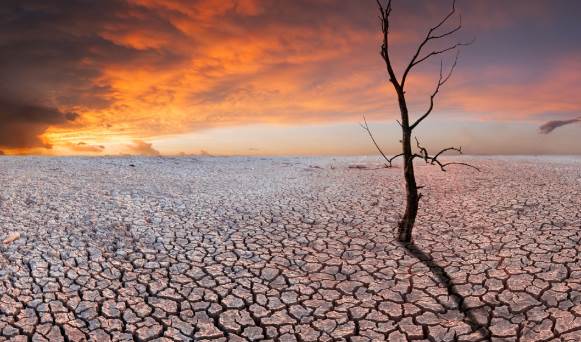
{"x":413,"y":197}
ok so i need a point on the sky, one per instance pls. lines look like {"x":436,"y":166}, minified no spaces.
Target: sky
{"x":273,"y":77}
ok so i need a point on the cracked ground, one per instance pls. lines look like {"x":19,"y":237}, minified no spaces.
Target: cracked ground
{"x":236,"y":249}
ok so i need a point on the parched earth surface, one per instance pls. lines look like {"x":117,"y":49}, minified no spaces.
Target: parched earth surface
{"x":287,"y":250}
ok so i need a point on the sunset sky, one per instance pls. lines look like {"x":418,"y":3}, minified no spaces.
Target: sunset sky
{"x":277,"y":77}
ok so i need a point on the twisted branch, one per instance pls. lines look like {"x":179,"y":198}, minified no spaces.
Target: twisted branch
{"x":433,"y":160}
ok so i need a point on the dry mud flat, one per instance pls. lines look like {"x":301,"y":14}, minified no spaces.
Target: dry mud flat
{"x":287,"y":250}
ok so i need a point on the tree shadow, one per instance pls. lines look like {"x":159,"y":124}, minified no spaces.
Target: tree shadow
{"x":446,"y":280}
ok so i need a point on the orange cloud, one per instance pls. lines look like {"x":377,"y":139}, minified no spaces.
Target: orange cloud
{"x":143,"y":148}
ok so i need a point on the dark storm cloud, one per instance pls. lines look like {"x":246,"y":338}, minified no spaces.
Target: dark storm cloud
{"x":21,"y":124}
{"x":55,"y":53}
{"x":550,"y":126}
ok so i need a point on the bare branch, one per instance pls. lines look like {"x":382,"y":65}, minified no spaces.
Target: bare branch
{"x":365,"y":126}
{"x":450,"y":14}
{"x":450,"y":32}
{"x":394,"y":157}
{"x":384,"y":18}
{"x":431,"y":36}
{"x":434,"y":159}
{"x":438,"y":52}
{"x":441,"y":81}
{"x":464,"y":164}
{"x":459,"y":150}
{"x":423,"y":151}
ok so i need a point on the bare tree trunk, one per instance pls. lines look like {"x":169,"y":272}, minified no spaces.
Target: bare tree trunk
{"x":412,"y":198}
